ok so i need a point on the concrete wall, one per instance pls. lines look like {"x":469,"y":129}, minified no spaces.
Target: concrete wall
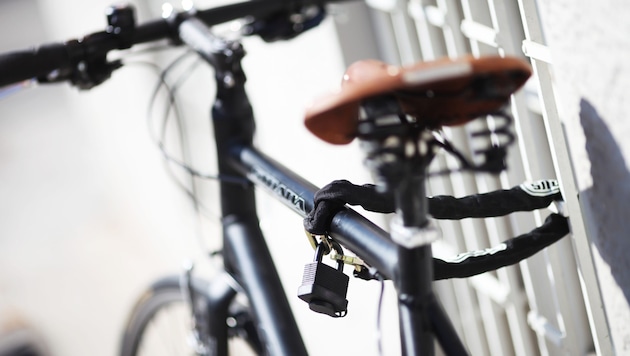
{"x":591,"y":51}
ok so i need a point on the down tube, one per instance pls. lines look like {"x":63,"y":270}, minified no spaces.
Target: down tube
{"x":249,"y":260}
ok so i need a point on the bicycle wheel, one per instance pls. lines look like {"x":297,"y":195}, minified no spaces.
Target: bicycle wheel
{"x":162,"y":324}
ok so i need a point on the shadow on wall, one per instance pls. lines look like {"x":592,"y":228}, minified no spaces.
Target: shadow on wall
{"x":609,"y":198}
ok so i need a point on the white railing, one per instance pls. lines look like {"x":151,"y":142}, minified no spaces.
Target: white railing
{"x":539,"y":307}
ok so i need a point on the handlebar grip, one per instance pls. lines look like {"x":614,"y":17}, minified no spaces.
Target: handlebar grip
{"x":36,"y":62}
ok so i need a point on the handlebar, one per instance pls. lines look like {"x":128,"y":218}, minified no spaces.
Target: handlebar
{"x":83,"y":61}
{"x":38,"y":62}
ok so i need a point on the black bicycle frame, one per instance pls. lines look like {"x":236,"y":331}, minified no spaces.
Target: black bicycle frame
{"x":242,"y":168}
{"x":246,"y":255}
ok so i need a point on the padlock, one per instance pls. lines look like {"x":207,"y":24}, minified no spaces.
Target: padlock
{"x":323,"y":287}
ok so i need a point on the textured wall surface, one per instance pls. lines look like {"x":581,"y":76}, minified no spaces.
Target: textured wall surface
{"x":590,"y":47}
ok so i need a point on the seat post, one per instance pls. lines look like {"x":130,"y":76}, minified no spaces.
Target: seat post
{"x":399,"y":151}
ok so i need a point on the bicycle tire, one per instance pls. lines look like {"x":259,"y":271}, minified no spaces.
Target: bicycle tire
{"x":165,"y":296}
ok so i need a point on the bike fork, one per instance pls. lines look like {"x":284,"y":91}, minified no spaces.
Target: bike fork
{"x":209,"y":310}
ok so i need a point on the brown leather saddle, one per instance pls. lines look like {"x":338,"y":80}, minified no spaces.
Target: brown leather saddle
{"x":443,"y":92}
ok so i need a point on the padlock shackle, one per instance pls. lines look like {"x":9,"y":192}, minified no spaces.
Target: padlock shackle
{"x":322,"y":249}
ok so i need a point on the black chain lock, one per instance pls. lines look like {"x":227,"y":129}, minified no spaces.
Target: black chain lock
{"x":323,"y":287}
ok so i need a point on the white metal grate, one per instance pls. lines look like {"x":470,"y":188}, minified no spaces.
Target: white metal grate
{"x":539,"y":307}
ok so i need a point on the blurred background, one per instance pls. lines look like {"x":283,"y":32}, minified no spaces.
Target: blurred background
{"x":89,"y":214}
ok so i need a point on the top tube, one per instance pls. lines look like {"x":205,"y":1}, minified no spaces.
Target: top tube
{"x":348,"y":227}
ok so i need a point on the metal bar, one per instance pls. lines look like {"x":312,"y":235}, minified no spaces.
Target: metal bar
{"x":466,"y":295}
{"x":455,"y":42}
{"x":466,"y":298}
{"x":476,"y":236}
{"x":444,"y":330}
{"x":413,"y":283}
{"x":405,"y":37}
{"x":588,"y":277}
{"x":537,"y":51}
{"x":352,"y":230}
{"x":494,"y":26}
{"x":220,"y":294}
{"x":244,"y":247}
{"x":564,"y":171}
{"x":426,"y":31}
{"x":504,"y":16}
{"x":480,"y":33}
{"x":249,"y":260}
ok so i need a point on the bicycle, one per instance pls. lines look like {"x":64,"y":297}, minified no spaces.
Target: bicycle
{"x":396,"y":112}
